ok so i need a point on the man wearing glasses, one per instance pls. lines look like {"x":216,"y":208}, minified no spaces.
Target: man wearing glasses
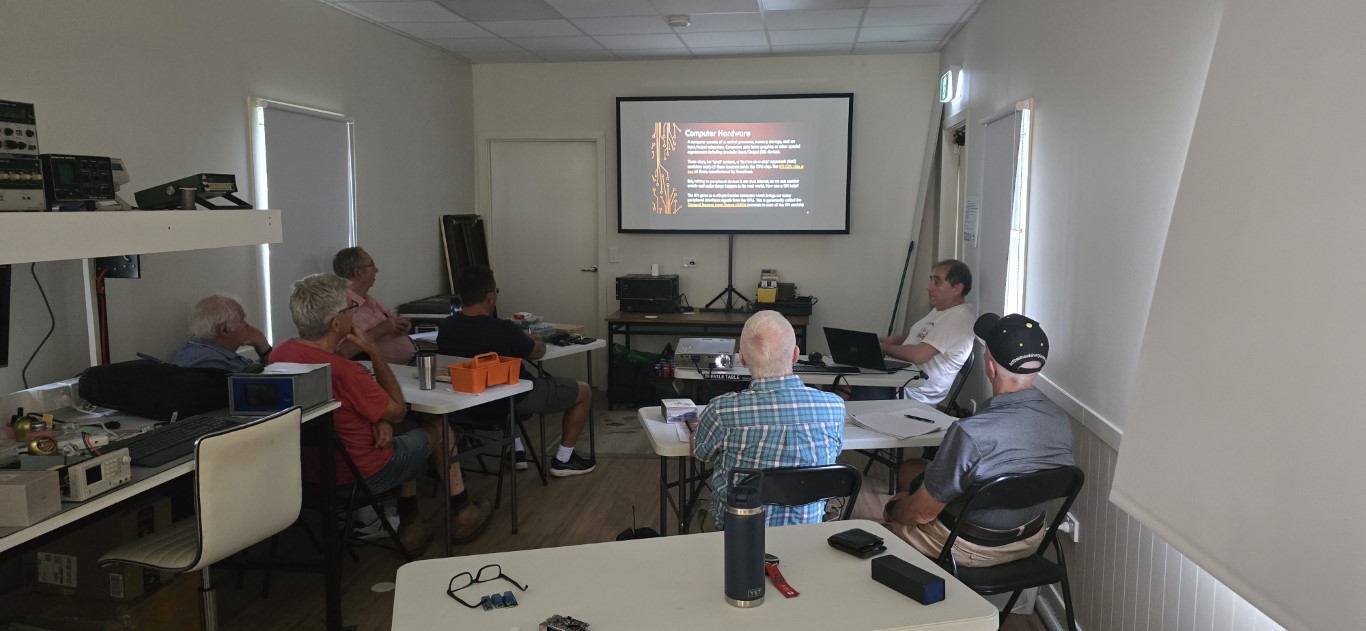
{"x":370,"y":408}
{"x":388,"y":329}
{"x":218,"y":327}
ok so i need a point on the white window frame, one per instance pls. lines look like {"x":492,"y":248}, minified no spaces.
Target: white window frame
{"x":1017,"y":258}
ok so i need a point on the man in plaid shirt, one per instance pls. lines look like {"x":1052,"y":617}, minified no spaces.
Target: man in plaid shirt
{"x":777,"y":422}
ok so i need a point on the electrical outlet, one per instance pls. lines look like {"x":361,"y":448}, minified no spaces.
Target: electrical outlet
{"x":613,"y":255}
{"x":1071,"y":526}
{"x":689,"y":262}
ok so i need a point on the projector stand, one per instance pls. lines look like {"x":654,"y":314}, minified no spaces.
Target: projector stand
{"x":729,"y":293}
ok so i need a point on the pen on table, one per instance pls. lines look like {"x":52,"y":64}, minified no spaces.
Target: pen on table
{"x":919,"y":418}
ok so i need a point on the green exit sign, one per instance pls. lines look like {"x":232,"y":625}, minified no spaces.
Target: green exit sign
{"x":948,"y":84}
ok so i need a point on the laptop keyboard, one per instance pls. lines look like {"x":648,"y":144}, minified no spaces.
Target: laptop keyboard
{"x":163,"y":444}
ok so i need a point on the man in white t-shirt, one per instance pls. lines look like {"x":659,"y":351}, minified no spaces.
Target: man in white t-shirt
{"x":942,"y":340}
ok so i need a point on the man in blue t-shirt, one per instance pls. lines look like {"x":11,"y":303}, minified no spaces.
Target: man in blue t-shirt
{"x":475,"y":331}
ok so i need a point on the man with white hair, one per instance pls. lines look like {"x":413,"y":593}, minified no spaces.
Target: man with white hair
{"x":776,"y":422}
{"x":218,"y":327}
{"x":370,"y":408}
{"x":1019,"y":431}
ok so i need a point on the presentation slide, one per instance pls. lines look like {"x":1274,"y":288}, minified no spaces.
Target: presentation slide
{"x":776,"y":164}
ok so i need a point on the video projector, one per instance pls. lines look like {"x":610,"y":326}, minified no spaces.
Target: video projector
{"x":705,"y":353}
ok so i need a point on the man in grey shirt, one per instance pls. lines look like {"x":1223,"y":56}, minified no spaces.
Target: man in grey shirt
{"x":1020,"y":431}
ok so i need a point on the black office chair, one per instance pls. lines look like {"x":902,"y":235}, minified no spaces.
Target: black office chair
{"x":799,"y":486}
{"x":950,"y":403}
{"x":1020,"y":491}
{"x":487,"y":422}
{"x":948,"y":406}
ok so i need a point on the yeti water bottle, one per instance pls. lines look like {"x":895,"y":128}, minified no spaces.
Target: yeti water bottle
{"x":744,"y":533}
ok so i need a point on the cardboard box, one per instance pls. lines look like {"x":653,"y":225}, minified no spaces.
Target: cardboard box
{"x":174,"y":605}
{"x":28,"y":497}
{"x":67,"y":565}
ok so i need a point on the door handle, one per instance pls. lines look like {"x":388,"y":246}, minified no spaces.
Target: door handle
{"x":590,"y":268}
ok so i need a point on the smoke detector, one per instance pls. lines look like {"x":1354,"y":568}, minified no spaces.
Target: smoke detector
{"x":678,"y":21}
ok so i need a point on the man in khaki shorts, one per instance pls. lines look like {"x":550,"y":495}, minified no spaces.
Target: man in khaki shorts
{"x":1019,"y":431}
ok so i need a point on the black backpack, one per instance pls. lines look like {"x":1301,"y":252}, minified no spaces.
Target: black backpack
{"x":155,"y":390}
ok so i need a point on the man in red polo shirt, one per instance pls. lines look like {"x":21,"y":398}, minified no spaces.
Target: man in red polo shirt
{"x":370,"y":408}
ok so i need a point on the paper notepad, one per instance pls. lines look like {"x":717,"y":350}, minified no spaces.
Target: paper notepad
{"x":898,"y":426}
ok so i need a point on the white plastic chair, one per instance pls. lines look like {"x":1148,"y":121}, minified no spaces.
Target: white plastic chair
{"x":247,"y":488}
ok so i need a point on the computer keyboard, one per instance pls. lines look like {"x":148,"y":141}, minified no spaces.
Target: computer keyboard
{"x":838,"y":369}
{"x":163,"y":444}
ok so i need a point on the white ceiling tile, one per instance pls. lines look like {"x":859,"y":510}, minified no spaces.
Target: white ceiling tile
{"x":721,"y":22}
{"x":690,"y":7}
{"x":681,"y":53}
{"x":602,"y":8}
{"x":578,"y":55}
{"x":733,"y":51}
{"x":878,"y":48}
{"x":532,"y":28}
{"x":906,"y":16}
{"x":812,"y":5}
{"x":639,"y":42}
{"x":488,"y":45}
{"x":446,"y":30}
{"x":631,"y":25}
{"x":483,"y":10}
{"x":712,"y":40}
{"x":406,"y":11}
{"x":925,"y":32}
{"x":813,"y":49}
{"x":841,"y":18}
{"x":814,"y":36}
{"x":920,"y":3}
{"x":557,"y":44}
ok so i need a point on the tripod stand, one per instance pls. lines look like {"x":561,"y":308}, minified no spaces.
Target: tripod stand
{"x":729,"y":293}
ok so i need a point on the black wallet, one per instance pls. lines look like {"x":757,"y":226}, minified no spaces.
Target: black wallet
{"x":858,"y":542}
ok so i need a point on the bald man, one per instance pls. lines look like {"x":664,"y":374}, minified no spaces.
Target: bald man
{"x":776,"y":422}
{"x":218,"y":328}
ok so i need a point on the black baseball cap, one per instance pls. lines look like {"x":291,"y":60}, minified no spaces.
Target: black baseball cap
{"x":1013,"y":340}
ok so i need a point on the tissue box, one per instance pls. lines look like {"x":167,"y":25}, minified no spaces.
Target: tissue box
{"x":679,"y":410}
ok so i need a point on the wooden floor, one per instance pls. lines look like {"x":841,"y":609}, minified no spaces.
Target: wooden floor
{"x":584,"y":509}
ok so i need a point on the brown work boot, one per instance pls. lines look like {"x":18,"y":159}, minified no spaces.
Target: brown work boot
{"x":470,"y":520}
{"x":414,"y":535}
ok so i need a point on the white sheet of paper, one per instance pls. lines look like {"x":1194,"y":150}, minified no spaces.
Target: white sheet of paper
{"x":290,"y":368}
{"x":896,"y":425}
{"x":427,"y":336}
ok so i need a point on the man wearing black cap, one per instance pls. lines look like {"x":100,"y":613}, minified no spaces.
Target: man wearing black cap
{"x":1019,"y":431}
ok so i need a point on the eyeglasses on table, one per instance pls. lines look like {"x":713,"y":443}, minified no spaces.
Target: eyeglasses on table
{"x":490,"y":572}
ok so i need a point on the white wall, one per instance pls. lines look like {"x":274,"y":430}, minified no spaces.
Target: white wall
{"x":163,"y":84}
{"x":1116,"y":89}
{"x":854,"y":276}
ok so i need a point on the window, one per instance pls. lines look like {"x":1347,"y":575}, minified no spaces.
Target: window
{"x":1019,"y":213}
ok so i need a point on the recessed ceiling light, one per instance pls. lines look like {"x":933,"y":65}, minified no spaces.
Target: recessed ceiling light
{"x":679,"y":21}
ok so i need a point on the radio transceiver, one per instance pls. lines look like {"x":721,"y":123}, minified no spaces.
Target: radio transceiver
{"x":84,"y":480}
{"x":18,"y":128}
{"x":21,"y":183}
{"x":206,"y":186}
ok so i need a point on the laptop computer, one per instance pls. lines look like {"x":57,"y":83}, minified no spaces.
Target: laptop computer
{"x":859,"y":348}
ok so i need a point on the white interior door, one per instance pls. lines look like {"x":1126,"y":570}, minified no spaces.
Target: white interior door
{"x":544,"y":210}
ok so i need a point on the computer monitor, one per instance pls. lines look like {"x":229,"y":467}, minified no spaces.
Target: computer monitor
{"x":4,"y":315}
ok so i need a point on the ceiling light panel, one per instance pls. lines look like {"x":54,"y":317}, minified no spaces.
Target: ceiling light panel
{"x":690,"y":7}
{"x":920,"y":3}
{"x":812,"y":5}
